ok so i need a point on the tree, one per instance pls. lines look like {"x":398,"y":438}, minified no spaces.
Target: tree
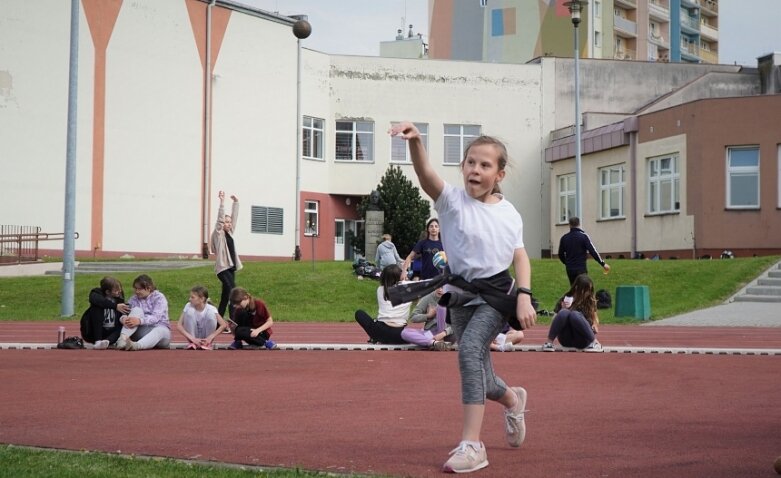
{"x":406,"y":211}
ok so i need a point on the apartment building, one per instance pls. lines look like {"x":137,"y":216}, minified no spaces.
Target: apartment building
{"x":516,"y":31}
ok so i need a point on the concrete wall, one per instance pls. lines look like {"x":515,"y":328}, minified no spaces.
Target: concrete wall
{"x":612,"y":86}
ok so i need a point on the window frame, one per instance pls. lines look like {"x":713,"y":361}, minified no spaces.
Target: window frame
{"x":397,"y":141}
{"x":463,"y":139}
{"x":312,"y":137}
{"x":743,"y":171}
{"x":611,"y":187}
{"x":565,"y":196}
{"x":654,"y":196}
{"x":311,"y":215}
{"x":354,"y":134}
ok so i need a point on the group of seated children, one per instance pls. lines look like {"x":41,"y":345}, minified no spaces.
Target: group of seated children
{"x":575,"y":324}
{"x":142,"y":323}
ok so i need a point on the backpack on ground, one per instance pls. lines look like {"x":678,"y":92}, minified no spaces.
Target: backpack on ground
{"x":604,"y":301}
{"x":71,"y":343}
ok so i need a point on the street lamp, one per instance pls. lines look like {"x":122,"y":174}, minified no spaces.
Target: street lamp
{"x":575,"y":8}
{"x":301,"y":29}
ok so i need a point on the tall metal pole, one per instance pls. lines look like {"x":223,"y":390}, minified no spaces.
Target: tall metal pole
{"x":297,"y":251}
{"x":69,"y":245}
{"x":301,"y":29}
{"x":578,"y":188}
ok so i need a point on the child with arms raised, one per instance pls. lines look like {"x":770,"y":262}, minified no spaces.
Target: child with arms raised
{"x":483,"y":234}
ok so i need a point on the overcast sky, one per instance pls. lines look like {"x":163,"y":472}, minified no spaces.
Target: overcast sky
{"x":747,"y":28}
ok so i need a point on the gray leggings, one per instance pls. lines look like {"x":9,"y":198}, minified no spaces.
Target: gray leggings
{"x":476,"y":327}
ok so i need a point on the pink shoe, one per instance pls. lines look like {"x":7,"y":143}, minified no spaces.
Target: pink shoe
{"x":206,"y":347}
{"x":191,"y":346}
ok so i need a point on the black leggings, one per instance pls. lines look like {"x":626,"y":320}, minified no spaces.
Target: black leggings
{"x":245,"y":333}
{"x":228,"y":279}
{"x":572,"y":329}
{"x":379,"y":331}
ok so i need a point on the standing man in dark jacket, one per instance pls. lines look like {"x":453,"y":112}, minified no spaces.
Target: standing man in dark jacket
{"x":573,"y":248}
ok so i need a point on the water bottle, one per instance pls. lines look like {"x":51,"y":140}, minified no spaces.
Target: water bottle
{"x":60,"y":335}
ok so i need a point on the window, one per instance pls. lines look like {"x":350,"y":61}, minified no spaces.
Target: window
{"x":566,"y":197}
{"x":611,"y":192}
{"x":266,"y":220}
{"x":355,"y":141}
{"x":311,"y":218}
{"x":597,"y":39}
{"x":743,"y":177}
{"x":663,"y":185}
{"x":597,"y":9}
{"x":312,"y":138}
{"x":457,"y":138}
{"x":399,"y":150}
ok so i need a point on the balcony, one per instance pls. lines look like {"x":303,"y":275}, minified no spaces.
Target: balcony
{"x":627,"y":27}
{"x":690,"y":3}
{"x":658,"y":12}
{"x":710,"y":8}
{"x":624,"y":54}
{"x":631,"y":4}
{"x":658,"y":40}
{"x":709,"y":56}
{"x":689,"y":23}
{"x":708,"y":32}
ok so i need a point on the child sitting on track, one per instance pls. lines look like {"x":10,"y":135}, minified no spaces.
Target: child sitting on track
{"x":253,"y":321}
{"x":200,"y":322}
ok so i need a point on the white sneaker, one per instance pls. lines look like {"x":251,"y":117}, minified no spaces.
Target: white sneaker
{"x":507,"y":347}
{"x":548,"y":347}
{"x":594,"y":347}
{"x":515,"y":426}
{"x":466,"y":458}
{"x":100,"y":345}
{"x":121,"y":343}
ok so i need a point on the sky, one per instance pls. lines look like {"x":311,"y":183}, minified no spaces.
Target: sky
{"x":747,"y":28}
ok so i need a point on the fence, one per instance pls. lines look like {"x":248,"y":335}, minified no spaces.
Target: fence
{"x":19,"y":244}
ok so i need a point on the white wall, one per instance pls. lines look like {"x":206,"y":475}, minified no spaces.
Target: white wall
{"x":34,"y":58}
{"x":504,"y":99}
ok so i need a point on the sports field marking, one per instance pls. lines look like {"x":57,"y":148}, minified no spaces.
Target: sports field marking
{"x":518,"y":348}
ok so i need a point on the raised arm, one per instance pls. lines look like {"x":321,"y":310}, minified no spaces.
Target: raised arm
{"x":429,"y":180}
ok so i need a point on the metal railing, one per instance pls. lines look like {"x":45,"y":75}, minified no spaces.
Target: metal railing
{"x":19,"y":244}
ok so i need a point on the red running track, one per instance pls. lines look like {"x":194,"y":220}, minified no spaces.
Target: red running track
{"x":398,"y":413}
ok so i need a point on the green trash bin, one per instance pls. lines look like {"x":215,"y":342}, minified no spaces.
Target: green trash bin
{"x":633,"y":301}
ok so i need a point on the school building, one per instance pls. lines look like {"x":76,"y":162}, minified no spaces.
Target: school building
{"x":178,"y":99}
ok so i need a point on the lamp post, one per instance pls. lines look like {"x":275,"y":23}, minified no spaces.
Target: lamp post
{"x":575,"y":8}
{"x":301,"y":29}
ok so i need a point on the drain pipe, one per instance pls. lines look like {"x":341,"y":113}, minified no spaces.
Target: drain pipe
{"x":631,"y":126}
{"x":207,"y":131}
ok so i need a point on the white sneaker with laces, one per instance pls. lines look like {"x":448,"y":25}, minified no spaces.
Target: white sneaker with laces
{"x":594,"y":347}
{"x":515,"y":425}
{"x":466,"y":458}
{"x":548,"y":347}
{"x":121,"y":343}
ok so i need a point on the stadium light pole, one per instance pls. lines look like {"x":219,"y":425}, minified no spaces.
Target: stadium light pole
{"x":301,"y":29}
{"x":69,"y":245}
{"x":575,"y":8}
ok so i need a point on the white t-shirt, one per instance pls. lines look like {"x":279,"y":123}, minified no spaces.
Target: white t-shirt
{"x":395,"y":316}
{"x":480,"y":238}
{"x":204,"y":320}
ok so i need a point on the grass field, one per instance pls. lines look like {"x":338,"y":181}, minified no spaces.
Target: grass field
{"x":329,"y":292}
{"x":22,"y":462}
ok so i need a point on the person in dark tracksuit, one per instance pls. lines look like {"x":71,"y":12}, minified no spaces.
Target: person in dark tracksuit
{"x":573,"y":249}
